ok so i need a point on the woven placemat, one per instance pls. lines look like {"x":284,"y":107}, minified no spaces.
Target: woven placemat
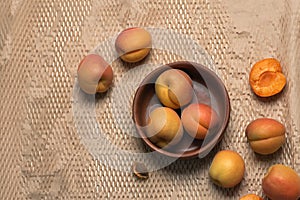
{"x":50,"y":142}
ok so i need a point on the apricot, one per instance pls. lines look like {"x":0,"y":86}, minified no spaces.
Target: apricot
{"x":281,"y":182}
{"x":198,"y":119}
{"x":251,"y":197}
{"x":265,"y":135}
{"x":227,"y":169}
{"x":94,"y":74}
{"x":174,"y":88}
{"x":266,"y":77}
{"x":133,"y":44}
{"x":164,"y":127}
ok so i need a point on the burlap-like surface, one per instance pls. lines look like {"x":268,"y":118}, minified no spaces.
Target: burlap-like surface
{"x":43,"y":156}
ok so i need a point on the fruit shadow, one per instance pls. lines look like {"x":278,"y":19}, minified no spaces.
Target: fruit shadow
{"x":91,"y":98}
{"x":227,"y":192}
{"x":101,"y":96}
{"x":186,"y":166}
{"x":128,"y":66}
{"x":269,"y":158}
{"x":273,"y":98}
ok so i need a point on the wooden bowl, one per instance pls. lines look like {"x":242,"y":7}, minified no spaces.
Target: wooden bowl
{"x":209,"y":89}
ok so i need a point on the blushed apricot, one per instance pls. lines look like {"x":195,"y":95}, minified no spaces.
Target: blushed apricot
{"x":133,"y":44}
{"x":281,"y":183}
{"x":265,"y":135}
{"x":198,"y":119}
{"x":266,"y":77}
{"x":94,"y":74}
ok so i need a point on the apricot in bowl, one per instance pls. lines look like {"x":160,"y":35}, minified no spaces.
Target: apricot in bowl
{"x":207,"y":89}
{"x":174,"y":88}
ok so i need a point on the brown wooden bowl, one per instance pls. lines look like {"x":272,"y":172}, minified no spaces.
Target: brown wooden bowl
{"x":209,"y":89}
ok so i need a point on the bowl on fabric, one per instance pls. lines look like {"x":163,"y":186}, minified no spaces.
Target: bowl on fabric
{"x":208,"y":88}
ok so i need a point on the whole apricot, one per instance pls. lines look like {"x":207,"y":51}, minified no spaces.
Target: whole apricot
{"x":174,"y":88}
{"x":198,"y":119}
{"x":133,"y":44}
{"x":227,"y":169}
{"x":281,"y":182}
{"x":265,"y":135}
{"x":266,"y":77}
{"x":164,"y":127}
{"x":94,"y":74}
{"x":251,"y":197}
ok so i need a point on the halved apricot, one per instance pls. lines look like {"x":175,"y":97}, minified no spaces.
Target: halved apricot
{"x":266,"y":77}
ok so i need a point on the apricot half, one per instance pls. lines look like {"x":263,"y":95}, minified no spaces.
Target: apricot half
{"x":266,"y":77}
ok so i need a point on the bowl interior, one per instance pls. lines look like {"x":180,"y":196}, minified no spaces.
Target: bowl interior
{"x":209,"y":89}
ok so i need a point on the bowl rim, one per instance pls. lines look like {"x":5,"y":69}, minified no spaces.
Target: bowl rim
{"x":198,"y":151}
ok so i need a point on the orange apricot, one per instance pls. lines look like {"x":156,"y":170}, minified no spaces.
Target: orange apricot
{"x":251,"y":197}
{"x":266,"y":77}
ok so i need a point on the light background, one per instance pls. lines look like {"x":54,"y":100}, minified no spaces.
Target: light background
{"x":41,"y":44}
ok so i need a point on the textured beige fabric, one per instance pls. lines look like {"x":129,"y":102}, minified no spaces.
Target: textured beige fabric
{"x":41,"y":45}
